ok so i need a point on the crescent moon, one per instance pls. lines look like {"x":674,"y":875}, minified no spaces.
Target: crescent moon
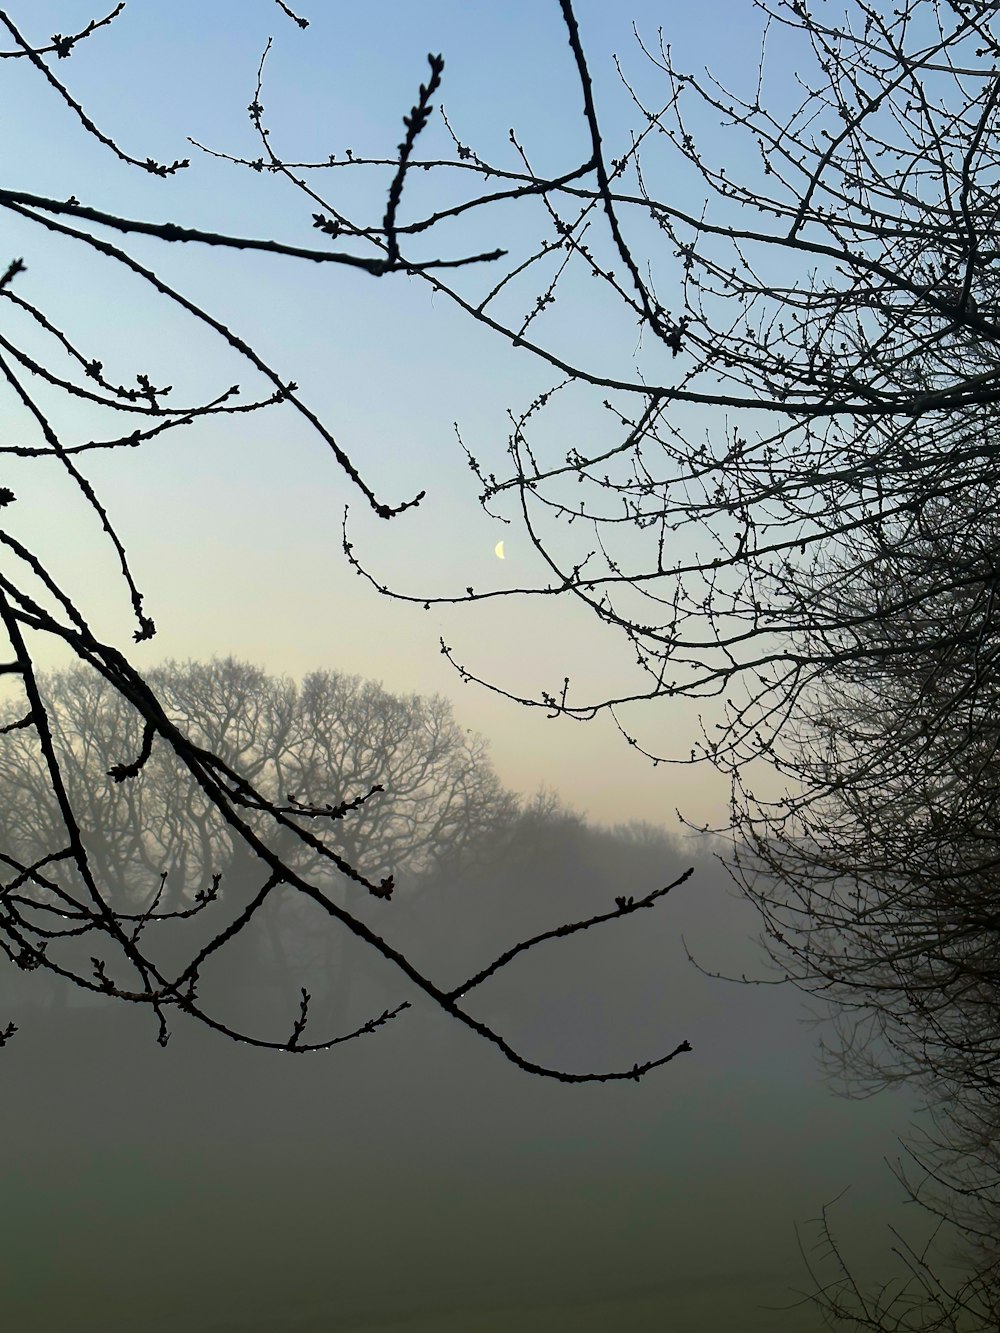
{"x":498,"y":550}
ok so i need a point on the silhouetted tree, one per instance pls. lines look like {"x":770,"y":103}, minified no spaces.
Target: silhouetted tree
{"x":876,"y":876}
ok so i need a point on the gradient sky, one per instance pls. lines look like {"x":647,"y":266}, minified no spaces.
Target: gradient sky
{"x":251,"y":510}
{"x":234,"y":529}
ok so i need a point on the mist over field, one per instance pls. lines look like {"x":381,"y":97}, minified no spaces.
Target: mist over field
{"x":414,"y":1180}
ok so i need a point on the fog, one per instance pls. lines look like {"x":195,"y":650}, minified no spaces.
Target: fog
{"x":415,"y":1180}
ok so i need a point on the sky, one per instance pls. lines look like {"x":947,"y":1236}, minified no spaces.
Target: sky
{"x":233,"y":530}
{"x":256,"y":504}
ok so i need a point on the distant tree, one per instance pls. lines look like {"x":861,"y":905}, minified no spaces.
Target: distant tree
{"x":435,"y":797}
{"x":156,"y":844}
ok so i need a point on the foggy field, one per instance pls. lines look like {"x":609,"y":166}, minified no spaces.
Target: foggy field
{"x":414,"y":1182}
